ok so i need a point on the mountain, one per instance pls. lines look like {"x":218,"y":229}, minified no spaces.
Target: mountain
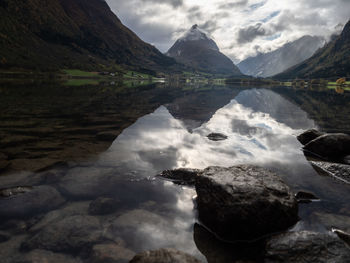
{"x":272,"y":63}
{"x":85,"y":34}
{"x":195,"y":49}
{"x":332,"y":61}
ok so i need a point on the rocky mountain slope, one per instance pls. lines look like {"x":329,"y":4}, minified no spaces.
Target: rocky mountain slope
{"x":332,"y":61}
{"x":195,"y":49}
{"x":84,"y":34}
{"x":272,"y":63}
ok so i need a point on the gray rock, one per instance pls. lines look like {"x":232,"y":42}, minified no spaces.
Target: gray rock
{"x":28,"y":201}
{"x":44,"y":256}
{"x":181,"y":176}
{"x":111,"y":253}
{"x":71,"y":234}
{"x":335,"y":170}
{"x":331,"y":146}
{"x":217,"y":137}
{"x":244,"y":202}
{"x":305,"y":247}
{"x":103,"y":206}
{"x":165,"y":255}
{"x":309,"y":135}
{"x":346,"y":159}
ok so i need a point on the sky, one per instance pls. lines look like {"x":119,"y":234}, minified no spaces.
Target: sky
{"x":241,"y":28}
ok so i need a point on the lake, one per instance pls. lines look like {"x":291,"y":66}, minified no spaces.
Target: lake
{"x":65,"y":149}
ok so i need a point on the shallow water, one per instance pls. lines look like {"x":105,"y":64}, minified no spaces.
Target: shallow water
{"x":111,"y":141}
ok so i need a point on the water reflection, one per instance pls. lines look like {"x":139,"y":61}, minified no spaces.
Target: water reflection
{"x":261,"y":125}
{"x":159,"y":141}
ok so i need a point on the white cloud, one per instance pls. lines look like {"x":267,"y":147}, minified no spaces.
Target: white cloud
{"x":162,"y":22}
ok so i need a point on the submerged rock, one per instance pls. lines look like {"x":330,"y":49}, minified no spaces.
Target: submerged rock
{"x":103,"y":206}
{"x":181,"y":176}
{"x":113,"y":253}
{"x":304,"y":247}
{"x":88,"y":182}
{"x":308,"y":136}
{"x":335,"y":170}
{"x":71,"y":234}
{"x":25,"y":201}
{"x":217,"y":137}
{"x":331,"y":146}
{"x":44,"y":256}
{"x":244,"y":202}
{"x":165,"y":255}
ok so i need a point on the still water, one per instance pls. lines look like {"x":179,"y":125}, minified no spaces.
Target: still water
{"x":111,"y":141}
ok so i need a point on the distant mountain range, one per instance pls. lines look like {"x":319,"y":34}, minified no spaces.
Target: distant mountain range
{"x":84,"y":34}
{"x":331,"y":61}
{"x":290,"y":54}
{"x":196,"y":50}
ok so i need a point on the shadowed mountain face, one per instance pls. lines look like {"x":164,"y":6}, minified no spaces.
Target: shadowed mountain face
{"x":331,"y":61}
{"x":197,"y":50}
{"x":55,"y":34}
{"x":272,"y":63}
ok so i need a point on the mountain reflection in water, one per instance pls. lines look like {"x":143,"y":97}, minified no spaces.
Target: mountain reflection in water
{"x":261,"y":126}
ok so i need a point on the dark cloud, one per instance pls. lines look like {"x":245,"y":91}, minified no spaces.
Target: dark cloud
{"x":249,"y":33}
{"x":209,"y":26}
{"x":232,"y":4}
{"x":174,"y":3}
{"x":194,"y":14}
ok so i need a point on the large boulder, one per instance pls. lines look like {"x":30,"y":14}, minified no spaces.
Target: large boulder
{"x":308,"y":136}
{"x":165,"y":255}
{"x":244,"y":202}
{"x":304,"y":247}
{"x":331,"y":146}
{"x":26,"y":201}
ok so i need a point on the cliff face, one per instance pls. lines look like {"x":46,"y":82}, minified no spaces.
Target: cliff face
{"x":330,"y":62}
{"x":70,"y":34}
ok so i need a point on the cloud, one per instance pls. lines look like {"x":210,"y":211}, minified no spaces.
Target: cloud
{"x":173,"y":3}
{"x":233,"y":4}
{"x":238,"y":26}
{"x":250,"y":33}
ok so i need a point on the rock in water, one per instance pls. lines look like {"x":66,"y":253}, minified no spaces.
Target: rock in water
{"x":331,"y":146}
{"x":308,"y":136}
{"x":24,"y":201}
{"x":72,"y":233}
{"x":103,"y":206}
{"x":336,"y":170}
{"x":304,"y":246}
{"x":167,"y":255}
{"x":244,"y":202}
{"x":217,"y":137}
{"x":182,"y":176}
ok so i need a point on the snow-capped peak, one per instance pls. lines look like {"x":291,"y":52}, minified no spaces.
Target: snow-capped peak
{"x":194,"y":34}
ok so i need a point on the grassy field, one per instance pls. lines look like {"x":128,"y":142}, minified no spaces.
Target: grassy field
{"x":80,"y":73}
